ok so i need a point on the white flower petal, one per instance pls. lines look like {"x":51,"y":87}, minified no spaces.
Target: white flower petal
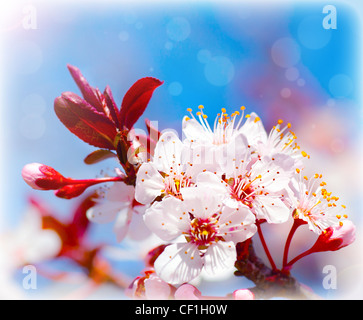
{"x":219,"y":257}
{"x":105,"y":212}
{"x":44,"y":245}
{"x":236,"y":150}
{"x":149,"y":183}
{"x":202,"y":202}
{"x":121,"y":192}
{"x":276,"y":172}
{"x":122,"y":223}
{"x":237,"y":225}
{"x":212,"y":181}
{"x":168,"y":151}
{"x":272,"y":209}
{"x":193,"y":130}
{"x":167,"y":218}
{"x":254,"y":130}
{"x":179,"y":263}
{"x":137,"y":229}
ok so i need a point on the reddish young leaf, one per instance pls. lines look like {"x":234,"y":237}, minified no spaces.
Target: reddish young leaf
{"x":111,"y":105}
{"x":80,"y":222}
{"x":71,"y":191}
{"x":136,"y":100}
{"x":154,"y":133}
{"x":99,"y":155}
{"x":85,"y":121}
{"x":89,"y":93}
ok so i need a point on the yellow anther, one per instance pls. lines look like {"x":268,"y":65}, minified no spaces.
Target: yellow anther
{"x":257,"y":119}
{"x":199,"y":113}
{"x":201,"y":107}
{"x":280,"y":121}
{"x":297,"y":170}
{"x":189,"y":110}
{"x":289,"y":125}
{"x":205,"y":116}
{"x":243,"y":108}
{"x":247,"y":116}
{"x":187,"y":118}
{"x":223,"y":110}
{"x":304,"y":154}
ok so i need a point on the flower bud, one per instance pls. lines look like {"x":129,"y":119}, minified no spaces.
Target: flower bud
{"x":335,"y":237}
{"x":149,"y":287}
{"x":42,"y":177}
{"x":187,"y":292}
{"x":243,"y":294}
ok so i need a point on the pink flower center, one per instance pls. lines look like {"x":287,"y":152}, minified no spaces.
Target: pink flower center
{"x":242,"y":190}
{"x":203,"y":232}
{"x":174,"y":182}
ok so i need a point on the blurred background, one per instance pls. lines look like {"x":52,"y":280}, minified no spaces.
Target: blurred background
{"x":281,"y":60}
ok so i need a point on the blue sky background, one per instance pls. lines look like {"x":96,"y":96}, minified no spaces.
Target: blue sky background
{"x":277,"y":60}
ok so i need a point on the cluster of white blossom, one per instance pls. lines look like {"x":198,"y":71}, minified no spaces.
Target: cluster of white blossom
{"x":205,"y":193}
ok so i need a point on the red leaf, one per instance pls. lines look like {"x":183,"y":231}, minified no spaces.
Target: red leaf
{"x":136,"y":100}
{"x":71,"y":191}
{"x":85,"y":121}
{"x":99,"y":155}
{"x":80,"y":222}
{"x":111,"y":105}
{"x":89,"y":93}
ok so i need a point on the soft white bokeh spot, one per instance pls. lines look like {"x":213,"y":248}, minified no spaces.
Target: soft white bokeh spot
{"x":175,"y":88}
{"x":27,"y":57}
{"x":123,"y":36}
{"x":312,"y":34}
{"x":204,"y":56}
{"x":292,"y":74}
{"x":285,"y":52}
{"x":32,"y":127}
{"x":178,"y":29}
{"x":285,"y":93}
{"x":340,"y":85}
{"x":219,"y":71}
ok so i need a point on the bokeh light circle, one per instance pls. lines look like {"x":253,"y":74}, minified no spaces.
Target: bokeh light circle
{"x":340,"y":85}
{"x":285,"y":93}
{"x":175,"y":88}
{"x":178,"y":29}
{"x":292,"y":74}
{"x":311,"y":33}
{"x":285,"y":52}
{"x":123,"y":36}
{"x":219,"y":71}
{"x":33,"y":104}
{"x":32,"y":127}
{"x":28,"y":57}
{"x":204,"y":56}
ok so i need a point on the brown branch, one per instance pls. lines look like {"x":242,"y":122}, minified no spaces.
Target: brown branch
{"x":268,"y":283}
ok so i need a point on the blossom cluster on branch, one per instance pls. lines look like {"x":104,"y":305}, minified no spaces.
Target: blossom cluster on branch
{"x":205,"y":194}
